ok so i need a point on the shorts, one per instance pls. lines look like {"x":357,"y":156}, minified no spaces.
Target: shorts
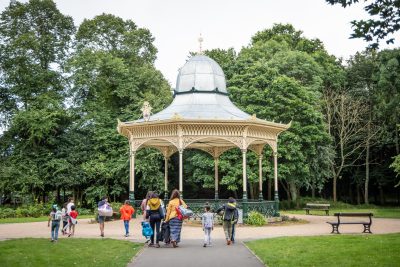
{"x":102,"y":219}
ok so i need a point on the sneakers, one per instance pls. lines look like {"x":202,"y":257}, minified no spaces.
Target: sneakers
{"x":157,"y":245}
{"x":126,"y":235}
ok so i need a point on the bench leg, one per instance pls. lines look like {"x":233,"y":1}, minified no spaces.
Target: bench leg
{"x":367,"y":228}
{"x":327,"y":212}
{"x":335,"y":228}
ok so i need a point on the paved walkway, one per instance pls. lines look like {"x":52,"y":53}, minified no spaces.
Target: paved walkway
{"x":188,"y":252}
{"x":191,"y":253}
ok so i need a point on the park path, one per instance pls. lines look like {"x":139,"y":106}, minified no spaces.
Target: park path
{"x":191,"y":253}
{"x":317,"y":226}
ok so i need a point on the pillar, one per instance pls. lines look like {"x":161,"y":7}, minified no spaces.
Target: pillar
{"x":165,"y":179}
{"x":216,"y":161}
{"x":276,"y":175}
{"x":244,"y":151}
{"x":181,"y":172}
{"x":260,"y":195}
{"x":276,"y":197}
{"x":132,"y":178}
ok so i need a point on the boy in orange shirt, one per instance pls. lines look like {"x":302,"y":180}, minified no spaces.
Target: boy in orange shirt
{"x":126,"y":214}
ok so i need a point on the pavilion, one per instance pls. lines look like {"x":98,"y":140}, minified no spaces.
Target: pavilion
{"x":203,"y":117}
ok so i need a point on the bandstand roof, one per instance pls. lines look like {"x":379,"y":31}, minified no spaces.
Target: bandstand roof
{"x":201,"y":116}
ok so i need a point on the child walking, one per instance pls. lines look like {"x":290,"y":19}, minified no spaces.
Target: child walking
{"x":207,"y":220}
{"x":72,"y":220}
{"x":126,"y":211}
{"x":55,"y":218}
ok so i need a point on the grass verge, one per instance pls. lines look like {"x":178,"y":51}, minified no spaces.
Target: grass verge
{"x":67,"y":252}
{"x":38,"y":219}
{"x":337,"y":250}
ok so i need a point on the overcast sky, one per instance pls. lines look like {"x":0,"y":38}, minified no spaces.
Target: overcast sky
{"x":177,"y":24}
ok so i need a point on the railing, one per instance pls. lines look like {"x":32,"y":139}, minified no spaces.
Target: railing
{"x":267,"y":208}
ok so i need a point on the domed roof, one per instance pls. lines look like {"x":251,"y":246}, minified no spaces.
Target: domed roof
{"x":201,"y":74}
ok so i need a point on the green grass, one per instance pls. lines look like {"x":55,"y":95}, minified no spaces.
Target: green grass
{"x":38,"y":219}
{"x":67,"y":252}
{"x":335,"y":250}
{"x":378,"y":212}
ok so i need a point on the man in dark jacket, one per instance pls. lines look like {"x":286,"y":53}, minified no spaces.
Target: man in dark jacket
{"x":229,"y":218}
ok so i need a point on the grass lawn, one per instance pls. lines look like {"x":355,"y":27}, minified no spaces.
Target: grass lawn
{"x":378,"y":212}
{"x":335,"y":250}
{"x":67,"y":252}
{"x":38,"y":219}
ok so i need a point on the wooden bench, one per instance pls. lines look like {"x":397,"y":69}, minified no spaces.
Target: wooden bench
{"x":313,"y":206}
{"x":367,"y":224}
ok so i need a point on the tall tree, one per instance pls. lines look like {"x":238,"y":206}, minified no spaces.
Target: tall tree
{"x":35,"y":40}
{"x":113,"y":73}
{"x":383,"y":24}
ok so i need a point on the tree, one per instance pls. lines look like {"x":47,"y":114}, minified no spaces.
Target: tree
{"x":112,"y":74}
{"x":383,"y":24}
{"x":35,"y":40}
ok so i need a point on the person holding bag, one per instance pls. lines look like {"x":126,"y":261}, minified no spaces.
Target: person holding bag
{"x":174,"y":217}
{"x":104,"y":210}
{"x":155,"y":214}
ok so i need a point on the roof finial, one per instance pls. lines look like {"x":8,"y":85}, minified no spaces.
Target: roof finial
{"x":200,"y":41}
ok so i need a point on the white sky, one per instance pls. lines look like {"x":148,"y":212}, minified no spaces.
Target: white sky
{"x":177,"y":24}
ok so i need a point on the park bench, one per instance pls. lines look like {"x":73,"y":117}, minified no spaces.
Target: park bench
{"x":367,"y":224}
{"x":314,"y":206}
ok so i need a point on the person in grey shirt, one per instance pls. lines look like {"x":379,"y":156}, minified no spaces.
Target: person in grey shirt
{"x":207,"y":221}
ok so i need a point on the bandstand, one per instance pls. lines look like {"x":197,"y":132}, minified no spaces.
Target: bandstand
{"x":203,"y":117}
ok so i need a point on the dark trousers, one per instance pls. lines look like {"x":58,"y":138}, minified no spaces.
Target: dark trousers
{"x":155,"y":223}
{"x":233,"y":232}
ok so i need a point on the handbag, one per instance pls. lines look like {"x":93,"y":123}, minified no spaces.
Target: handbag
{"x":184,"y":212}
{"x":105,"y":210}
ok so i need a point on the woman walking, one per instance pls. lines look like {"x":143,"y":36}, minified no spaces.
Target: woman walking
{"x":144,"y":206}
{"x":175,"y":219}
{"x":155,"y":214}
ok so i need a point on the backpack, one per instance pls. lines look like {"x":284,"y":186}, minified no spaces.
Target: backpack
{"x":57,"y":216}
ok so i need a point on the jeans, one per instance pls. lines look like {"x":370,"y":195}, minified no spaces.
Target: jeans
{"x":207,"y":236}
{"x":157,"y":224}
{"x":55,"y":225}
{"x":126,"y":224}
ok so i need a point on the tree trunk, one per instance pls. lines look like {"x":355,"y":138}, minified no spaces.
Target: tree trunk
{"x":293,"y":190}
{"x":381,"y":195}
{"x":269,"y":185}
{"x":286,"y":190}
{"x":351,"y":193}
{"x":366,"y":197}
{"x":313,"y":191}
{"x":58,"y":195}
{"x":251,"y":191}
{"x":334,"y":188}
{"x":358,"y":195}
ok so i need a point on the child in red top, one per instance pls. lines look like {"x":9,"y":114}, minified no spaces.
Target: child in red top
{"x":126,"y":214}
{"x":72,"y":220}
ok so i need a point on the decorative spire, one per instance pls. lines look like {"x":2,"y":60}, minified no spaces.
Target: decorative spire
{"x":200,"y":41}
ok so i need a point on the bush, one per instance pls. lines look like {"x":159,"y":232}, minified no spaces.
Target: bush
{"x":83,"y":211}
{"x":255,"y":218}
{"x":7,"y":213}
